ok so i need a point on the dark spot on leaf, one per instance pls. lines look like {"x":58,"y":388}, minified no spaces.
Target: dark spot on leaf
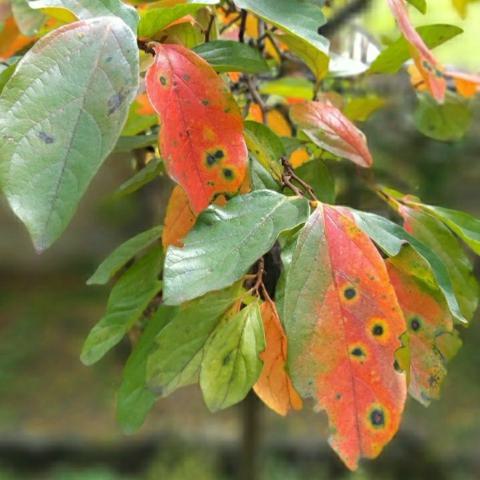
{"x":396,"y":366}
{"x":163,"y":80}
{"x":338,"y":396}
{"x":434,"y":380}
{"x":415,"y":324}
{"x":211,"y":159}
{"x":205,"y":102}
{"x":377,"y":417}
{"x":108,"y":59}
{"x":219,"y":154}
{"x":211,"y":184}
{"x":228,"y":173}
{"x":377,"y":330}
{"x":45,"y":137}
{"x":186,"y":77}
{"x":350,"y":293}
{"x":115,"y":102}
{"x":227,"y":359}
{"x":357,"y":352}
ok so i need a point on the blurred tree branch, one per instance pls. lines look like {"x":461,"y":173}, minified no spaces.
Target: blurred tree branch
{"x":343,"y":16}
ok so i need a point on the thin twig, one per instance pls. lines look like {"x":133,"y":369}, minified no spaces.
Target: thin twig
{"x":145,"y":46}
{"x":243,"y":26}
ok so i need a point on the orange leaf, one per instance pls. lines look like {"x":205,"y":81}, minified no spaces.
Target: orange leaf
{"x":331,"y":130}
{"x":343,"y":324}
{"x":201,"y":135}
{"x":278,"y":123}
{"x":11,"y":40}
{"x":427,"y":64}
{"x":467,"y":85}
{"x":179,"y":219}
{"x":274,"y":386}
{"x":430,"y":327}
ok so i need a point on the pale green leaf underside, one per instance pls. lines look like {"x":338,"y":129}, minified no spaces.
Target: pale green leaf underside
{"x":65,"y":106}
{"x":85,"y":9}
{"x":225,"y":243}
{"x":231,"y":363}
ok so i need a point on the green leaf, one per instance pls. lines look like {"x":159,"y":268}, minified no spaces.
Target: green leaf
{"x":441,"y":242}
{"x":128,"y":299}
{"x":122,"y":254}
{"x":225,"y":243}
{"x":5,"y":75}
{"x":28,"y":20}
{"x":446,"y":122}
{"x":420,"y":5}
{"x":289,"y":87}
{"x":156,"y":19}
{"x":301,"y":18}
{"x":137,"y":123}
{"x":260,"y":177}
{"x":134,"y":398}
{"x":265,"y":146}
{"x":316,"y":60}
{"x":318,"y":176}
{"x":150,"y":172}
{"x":127,"y":144}
{"x":397,"y":53}
{"x":85,"y":9}
{"x":463,"y":224}
{"x":65,"y":107}
{"x":179,"y":347}
{"x":231,"y":363}
{"x":230,"y":56}
{"x":390,"y":237}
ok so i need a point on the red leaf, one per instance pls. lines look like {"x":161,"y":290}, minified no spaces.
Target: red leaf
{"x":432,"y":338}
{"x":343,"y":325}
{"x":201,"y":135}
{"x":328,"y":127}
{"x":274,"y":386}
{"x":427,"y":64}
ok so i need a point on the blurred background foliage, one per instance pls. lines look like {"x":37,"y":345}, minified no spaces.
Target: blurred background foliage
{"x":57,"y":417}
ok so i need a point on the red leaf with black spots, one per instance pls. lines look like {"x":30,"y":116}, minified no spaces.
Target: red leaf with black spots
{"x":343,"y":324}
{"x":201,"y":131}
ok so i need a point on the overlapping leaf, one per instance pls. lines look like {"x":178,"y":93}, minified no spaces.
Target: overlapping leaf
{"x":343,"y":324}
{"x":274,"y":385}
{"x":225,"y":243}
{"x":201,"y":139}
{"x":63,"y":115}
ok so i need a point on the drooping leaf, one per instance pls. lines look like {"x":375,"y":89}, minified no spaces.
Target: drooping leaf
{"x":201,"y":137}
{"x":446,"y":122}
{"x":147,"y":174}
{"x":134,"y":398}
{"x":179,"y":348}
{"x":430,"y":326}
{"x":86,"y":9}
{"x":391,"y":238}
{"x":428,"y":66}
{"x":343,"y":325}
{"x":230,"y":56}
{"x":265,"y":146}
{"x":231,"y":363}
{"x":225,"y":243}
{"x":463,"y":224}
{"x":274,"y":385}
{"x":28,"y":20}
{"x":397,"y":53}
{"x":122,"y":254}
{"x":155,"y":19}
{"x":128,"y":299}
{"x":301,"y":18}
{"x":328,"y":128}
{"x":447,"y":248}
{"x":59,"y":127}
{"x":179,"y":218}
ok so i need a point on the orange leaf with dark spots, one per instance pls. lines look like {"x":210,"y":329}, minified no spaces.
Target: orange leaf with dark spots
{"x":274,"y":386}
{"x":432,"y":340}
{"x":331,"y":130}
{"x":179,"y":219}
{"x":201,"y":134}
{"x":343,"y":324}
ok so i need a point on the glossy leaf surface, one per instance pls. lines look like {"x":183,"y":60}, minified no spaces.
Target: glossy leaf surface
{"x":343,"y":323}
{"x":225,"y":243}
{"x":328,"y":128}
{"x":201,"y":135}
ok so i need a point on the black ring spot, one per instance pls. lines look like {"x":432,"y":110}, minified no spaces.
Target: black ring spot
{"x":228,"y":173}
{"x":350,"y":293}
{"x":163,"y":80}
{"x":377,"y":417}
{"x":415,"y":324}
{"x":219,"y":154}
{"x":377,"y":330}
{"x":357,"y":352}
